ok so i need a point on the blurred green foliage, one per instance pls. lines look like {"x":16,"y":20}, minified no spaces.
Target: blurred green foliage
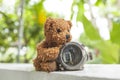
{"x":106,"y":51}
{"x":34,"y":17}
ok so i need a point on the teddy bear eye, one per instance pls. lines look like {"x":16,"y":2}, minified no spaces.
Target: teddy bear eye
{"x":58,"y":30}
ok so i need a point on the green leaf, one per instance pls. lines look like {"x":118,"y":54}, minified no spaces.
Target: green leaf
{"x":80,"y":10}
{"x":87,"y":41}
{"x":101,"y":3}
{"x":1,"y":2}
{"x":90,"y":30}
{"x":115,"y":33}
{"x":98,"y":2}
{"x":116,"y":13}
{"x":109,"y":52}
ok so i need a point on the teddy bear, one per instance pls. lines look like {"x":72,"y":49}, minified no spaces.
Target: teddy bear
{"x":57,"y":33}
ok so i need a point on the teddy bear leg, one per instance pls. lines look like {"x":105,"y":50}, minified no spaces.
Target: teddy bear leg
{"x":45,"y":66}
{"x":48,"y":66}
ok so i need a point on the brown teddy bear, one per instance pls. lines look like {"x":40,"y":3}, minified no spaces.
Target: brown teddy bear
{"x":57,"y":33}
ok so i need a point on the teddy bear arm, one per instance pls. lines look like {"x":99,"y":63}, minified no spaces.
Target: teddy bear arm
{"x":48,"y":54}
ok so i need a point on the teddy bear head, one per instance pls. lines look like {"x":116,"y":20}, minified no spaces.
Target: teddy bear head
{"x":57,"y":31}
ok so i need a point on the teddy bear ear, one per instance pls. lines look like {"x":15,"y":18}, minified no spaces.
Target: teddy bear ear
{"x":48,"y":22}
{"x":69,"y":22}
{"x":49,"y":19}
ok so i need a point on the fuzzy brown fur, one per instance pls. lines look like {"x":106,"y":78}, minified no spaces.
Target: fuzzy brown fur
{"x":57,"y":33}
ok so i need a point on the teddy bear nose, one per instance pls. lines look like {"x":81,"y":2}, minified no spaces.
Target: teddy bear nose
{"x":67,"y":36}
